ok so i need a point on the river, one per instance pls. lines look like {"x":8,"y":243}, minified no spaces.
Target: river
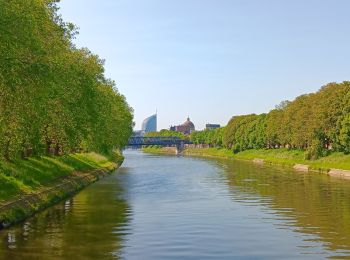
{"x":168,"y":207}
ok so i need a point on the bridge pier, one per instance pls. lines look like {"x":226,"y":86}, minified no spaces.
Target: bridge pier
{"x":179,"y":148}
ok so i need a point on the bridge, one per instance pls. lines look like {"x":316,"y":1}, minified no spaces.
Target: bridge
{"x":158,"y":140}
{"x":139,"y":141}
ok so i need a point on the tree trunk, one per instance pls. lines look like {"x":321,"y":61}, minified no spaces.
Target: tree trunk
{"x":23,"y":154}
{"x":48,"y":147}
{"x":7,"y":152}
{"x":57,"y":149}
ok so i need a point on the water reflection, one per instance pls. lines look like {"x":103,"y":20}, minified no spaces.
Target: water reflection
{"x":79,"y":228}
{"x":309,"y":203}
{"x":163,"y":207}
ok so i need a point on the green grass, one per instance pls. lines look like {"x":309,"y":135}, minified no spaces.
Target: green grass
{"x":280,"y":156}
{"x":157,"y":150}
{"x":26,"y":176}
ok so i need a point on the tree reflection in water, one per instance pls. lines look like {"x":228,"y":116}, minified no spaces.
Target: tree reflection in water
{"x":314,"y":204}
{"x":79,"y":228}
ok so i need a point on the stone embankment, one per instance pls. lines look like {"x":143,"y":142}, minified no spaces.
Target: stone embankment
{"x":301,"y":167}
{"x":258,"y":161}
{"x":339,"y":173}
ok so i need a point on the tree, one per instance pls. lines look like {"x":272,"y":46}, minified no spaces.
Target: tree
{"x":54,"y":97}
{"x":344,"y":137}
{"x":166,"y":133}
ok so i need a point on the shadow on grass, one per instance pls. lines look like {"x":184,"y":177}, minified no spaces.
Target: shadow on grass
{"x":8,"y":187}
{"x":27,"y":175}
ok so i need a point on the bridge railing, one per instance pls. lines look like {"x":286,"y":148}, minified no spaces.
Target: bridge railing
{"x":160,"y":140}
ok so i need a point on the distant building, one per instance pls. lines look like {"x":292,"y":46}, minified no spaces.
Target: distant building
{"x":186,"y":128}
{"x":212,"y":126}
{"x":150,"y":124}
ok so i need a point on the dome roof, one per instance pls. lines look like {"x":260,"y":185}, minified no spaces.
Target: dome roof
{"x":188,"y":123}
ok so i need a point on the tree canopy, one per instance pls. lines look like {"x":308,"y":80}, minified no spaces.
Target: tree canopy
{"x":166,"y":133}
{"x":316,"y":122}
{"x":54,"y":97}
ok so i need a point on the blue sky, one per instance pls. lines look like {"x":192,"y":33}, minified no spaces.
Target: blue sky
{"x":212,"y":59}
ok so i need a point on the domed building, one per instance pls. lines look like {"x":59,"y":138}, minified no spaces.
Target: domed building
{"x":186,"y":128}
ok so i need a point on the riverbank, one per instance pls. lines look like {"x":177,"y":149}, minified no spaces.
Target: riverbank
{"x":159,"y":150}
{"x":285,"y":157}
{"x":29,"y":186}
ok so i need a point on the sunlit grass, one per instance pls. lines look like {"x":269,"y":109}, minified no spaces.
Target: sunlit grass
{"x":281,"y":156}
{"x":25,"y":176}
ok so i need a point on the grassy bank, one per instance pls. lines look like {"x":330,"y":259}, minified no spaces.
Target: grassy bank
{"x":159,"y":150}
{"x":28,"y":186}
{"x":22,"y":177}
{"x":280,"y":156}
{"x":273,"y":156}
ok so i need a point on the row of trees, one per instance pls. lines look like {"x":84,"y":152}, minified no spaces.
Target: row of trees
{"x":211,"y":137}
{"x":316,"y":122}
{"x":54,"y":97}
{"x":167,"y":133}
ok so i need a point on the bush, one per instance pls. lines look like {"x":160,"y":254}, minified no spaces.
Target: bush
{"x":315,"y":150}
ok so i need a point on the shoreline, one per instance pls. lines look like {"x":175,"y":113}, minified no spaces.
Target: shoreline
{"x":301,"y":165}
{"x":18,"y":208}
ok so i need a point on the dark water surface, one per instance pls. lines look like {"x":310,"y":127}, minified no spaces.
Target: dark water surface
{"x":164,"y":207}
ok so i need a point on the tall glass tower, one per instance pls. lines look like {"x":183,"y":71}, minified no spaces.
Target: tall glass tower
{"x":150,"y":124}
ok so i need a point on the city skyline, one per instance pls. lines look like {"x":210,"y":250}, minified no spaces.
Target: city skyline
{"x":211,"y":59}
{"x":145,"y":121}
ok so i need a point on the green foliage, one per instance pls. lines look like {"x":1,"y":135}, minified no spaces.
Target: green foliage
{"x":315,"y":123}
{"x":245,"y":132}
{"x":211,"y":137}
{"x":315,"y":150}
{"x":344,"y":136}
{"x":54,"y":98}
{"x":167,"y":133}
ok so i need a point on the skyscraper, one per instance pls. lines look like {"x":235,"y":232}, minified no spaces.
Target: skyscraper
{"x":150,"y":124}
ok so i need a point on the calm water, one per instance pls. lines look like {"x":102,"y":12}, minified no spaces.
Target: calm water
{"x":163,"y":207}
